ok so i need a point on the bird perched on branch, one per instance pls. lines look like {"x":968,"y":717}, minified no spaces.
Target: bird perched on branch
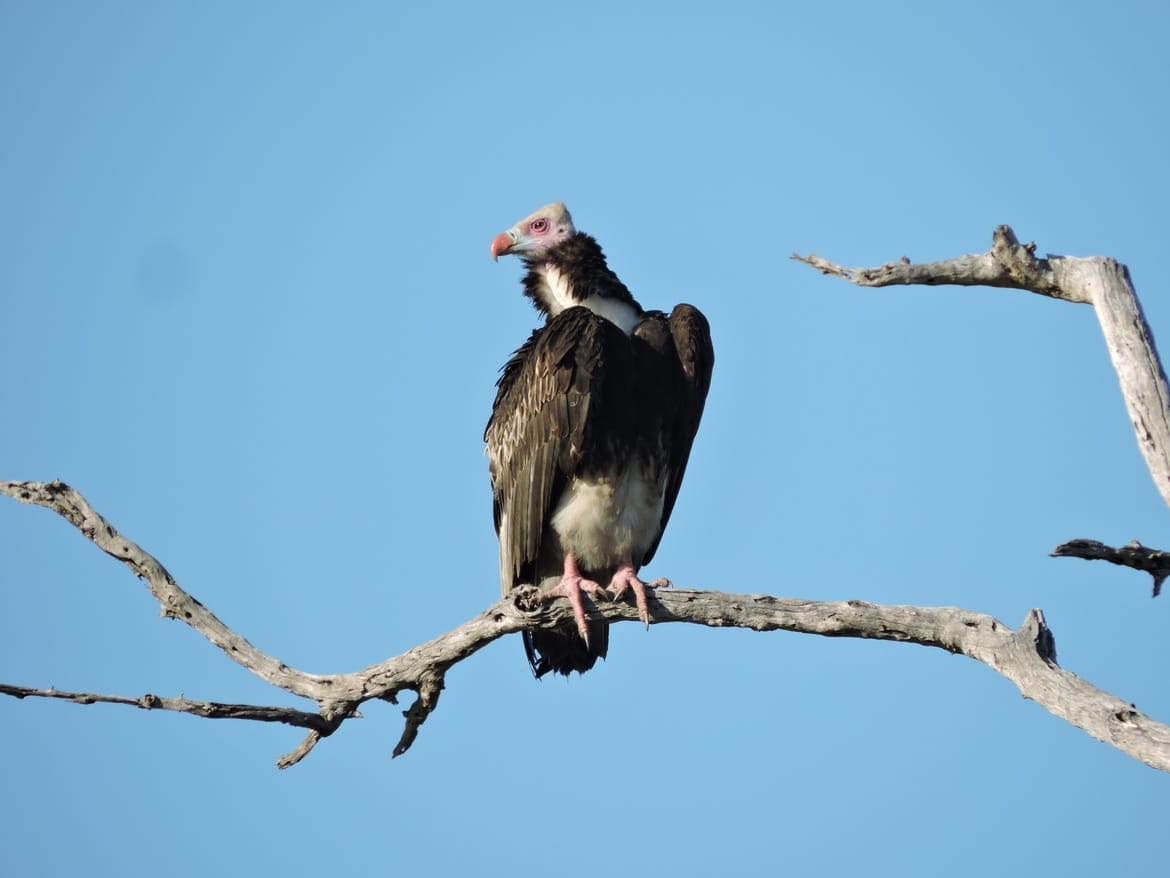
{"x":590,"y":433}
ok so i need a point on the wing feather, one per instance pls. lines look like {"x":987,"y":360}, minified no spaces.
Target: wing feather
{"x":549,"y":399}
{"x":689,"y":358}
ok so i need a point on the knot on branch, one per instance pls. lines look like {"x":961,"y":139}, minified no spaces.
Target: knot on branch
{"x":525,"y":599}
{"x":1127,"y":715}
{"x":1020,"y":262}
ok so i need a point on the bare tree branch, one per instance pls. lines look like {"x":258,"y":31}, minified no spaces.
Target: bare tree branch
{"x":1133,"y":554}
{"x":1099,"y":281}
{"x":1007,"y":264}
{"x":175,"y":603}
{"x":1026,"y":656}
{"x":205,"y":709}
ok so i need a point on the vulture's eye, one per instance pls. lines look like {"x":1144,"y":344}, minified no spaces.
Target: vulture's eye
{"x":539,"y":226}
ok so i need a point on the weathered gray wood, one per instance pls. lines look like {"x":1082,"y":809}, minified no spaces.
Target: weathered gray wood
{"x":206,"y":709}
{"x":1026,"y":656}
{"x":1100,"y":281}
{"x":1134,"y":357}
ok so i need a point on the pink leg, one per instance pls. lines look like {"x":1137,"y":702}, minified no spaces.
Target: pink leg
{"x":571,"y":585}
{"x":625,"y":578}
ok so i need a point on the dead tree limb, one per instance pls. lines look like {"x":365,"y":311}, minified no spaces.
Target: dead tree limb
{"x":1132,"y":554}
{"x":1026,"y":656}
{"x":1099,"y":281}
{"x":206,"y":709}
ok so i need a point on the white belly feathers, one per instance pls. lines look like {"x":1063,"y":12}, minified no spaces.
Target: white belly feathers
{"x":607,"y":522}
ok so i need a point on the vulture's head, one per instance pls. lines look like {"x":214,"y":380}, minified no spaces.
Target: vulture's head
{"x":535,"y":234}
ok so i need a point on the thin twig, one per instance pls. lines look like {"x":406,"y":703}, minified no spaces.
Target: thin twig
{"x":206,"y":709}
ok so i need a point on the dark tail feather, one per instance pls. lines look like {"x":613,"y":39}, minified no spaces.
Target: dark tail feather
{"x":564,"y":651}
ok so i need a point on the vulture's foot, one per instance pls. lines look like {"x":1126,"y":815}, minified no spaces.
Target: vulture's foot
{"x":626,"y":579}
{"x":572,"y":586}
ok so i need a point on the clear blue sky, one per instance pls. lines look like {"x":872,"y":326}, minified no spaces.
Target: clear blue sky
{"x":247,"y":308}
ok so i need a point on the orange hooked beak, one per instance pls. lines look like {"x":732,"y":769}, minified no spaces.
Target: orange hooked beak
{"x":502,"y":244}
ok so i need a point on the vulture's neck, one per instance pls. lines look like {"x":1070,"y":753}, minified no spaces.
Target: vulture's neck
{"x":575,"y":273}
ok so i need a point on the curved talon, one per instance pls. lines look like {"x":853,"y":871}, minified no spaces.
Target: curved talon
{"x":571,"y":586}
{"x":626,"y":579}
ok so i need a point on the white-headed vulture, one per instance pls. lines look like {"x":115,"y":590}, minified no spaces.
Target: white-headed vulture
{"x":590,"y":432}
